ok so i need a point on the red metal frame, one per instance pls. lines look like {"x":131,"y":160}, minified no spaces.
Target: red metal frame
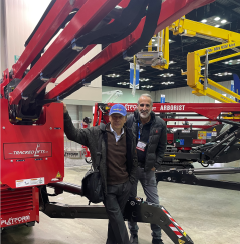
{"x":28,"y":137}
{"x":115,"y":49}
{"x":19,"y":206}
{"x":209,"y":110}
{"x":83,"y":21}
{"x":18,"y":172}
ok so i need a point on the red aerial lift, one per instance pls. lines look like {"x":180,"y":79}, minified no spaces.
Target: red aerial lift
{"x":202,"y":143}
{"x":32,"y":121}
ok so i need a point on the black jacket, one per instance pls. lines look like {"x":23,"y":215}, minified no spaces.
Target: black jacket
{"x":90,"y":137}
{"x":157,"y":139}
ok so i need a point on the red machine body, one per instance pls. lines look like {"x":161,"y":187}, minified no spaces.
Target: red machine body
{"x":29,"y":158}
{"x":201,"y":112}
{"x":33,"y":155}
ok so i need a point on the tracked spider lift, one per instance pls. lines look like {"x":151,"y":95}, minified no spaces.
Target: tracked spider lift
{"x":32,"y":120}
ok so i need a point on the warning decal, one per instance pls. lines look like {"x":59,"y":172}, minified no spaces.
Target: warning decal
{"x":58,"y":175}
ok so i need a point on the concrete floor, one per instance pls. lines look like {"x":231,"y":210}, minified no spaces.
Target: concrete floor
{"x":208,"y":215}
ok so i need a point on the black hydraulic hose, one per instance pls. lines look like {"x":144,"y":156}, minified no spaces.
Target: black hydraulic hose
{"x":118,"y":30}
{"x":152,"y":16}
{"x":121,"y":27}
{"x":40,"y":21}
{"x":153,"y":12}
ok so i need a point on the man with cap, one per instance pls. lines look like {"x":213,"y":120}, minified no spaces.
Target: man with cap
{"x":118,"y":164}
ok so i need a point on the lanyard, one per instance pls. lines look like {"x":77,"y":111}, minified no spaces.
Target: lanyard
{"x":139,"y":134}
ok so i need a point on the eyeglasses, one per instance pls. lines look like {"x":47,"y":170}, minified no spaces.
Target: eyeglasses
{"x":142,"y":105}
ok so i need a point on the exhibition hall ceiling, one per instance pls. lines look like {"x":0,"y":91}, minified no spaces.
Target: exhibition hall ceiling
{"x":223,"y":14}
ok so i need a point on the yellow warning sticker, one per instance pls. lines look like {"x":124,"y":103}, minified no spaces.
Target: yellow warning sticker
{"x":214,"y":129}
{"x":184,"y":233}
{"x":58,"y":175}
{"x":181,"y":241}
{"x":202,"y":134}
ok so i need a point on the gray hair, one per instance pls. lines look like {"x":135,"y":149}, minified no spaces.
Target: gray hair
{"x":146,"y":95}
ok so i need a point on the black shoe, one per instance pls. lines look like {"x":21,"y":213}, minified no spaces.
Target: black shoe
{"x":157,"y":241}
{"x":134,"y":239}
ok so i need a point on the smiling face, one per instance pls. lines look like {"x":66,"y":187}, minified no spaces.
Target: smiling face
{"x":144,"y":107}
{"x":117,"y":121}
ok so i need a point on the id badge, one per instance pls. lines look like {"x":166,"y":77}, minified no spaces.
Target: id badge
{"x":141,"y":146}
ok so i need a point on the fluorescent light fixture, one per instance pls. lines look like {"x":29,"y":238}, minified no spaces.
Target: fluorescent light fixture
{"x":167,"y":83}
{"x":167,"y":75}
{"x":123,"y":83}
{"x":144,"y":79}
{"x":113,"y":75}
{"x":148,"y":86}
{"x":223,"y":74}
{"x":215,"y":21}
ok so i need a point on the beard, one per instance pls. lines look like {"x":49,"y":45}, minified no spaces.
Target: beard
{"x":144,"y":116}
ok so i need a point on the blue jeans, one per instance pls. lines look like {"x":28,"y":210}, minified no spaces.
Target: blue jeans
{"x":149,"y":184}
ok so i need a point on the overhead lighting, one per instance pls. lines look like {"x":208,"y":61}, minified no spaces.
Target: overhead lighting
{"x":141,"y":70}
{"x":118,"y":7}
{"x":223,"y":74}
{"x":172,"y":62}
{"x":144,"y":79}
{"x":167,"y":83}
{"x":113,"y":75}
{"x":167,"y":75}
{"x":171,"y":41}
{"x":123,"y":83}
{"x":232,"y":62}
{"x":148,"y":86}
{"x":215,"y":21}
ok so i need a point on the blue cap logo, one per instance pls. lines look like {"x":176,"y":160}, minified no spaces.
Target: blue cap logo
{"x":118,"y":109}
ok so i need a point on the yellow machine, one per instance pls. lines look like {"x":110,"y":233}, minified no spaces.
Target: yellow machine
{"x":195,"y":79}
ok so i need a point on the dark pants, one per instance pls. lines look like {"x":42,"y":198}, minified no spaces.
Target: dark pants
{"x":149,"y":184}
{"x":115,"y":202}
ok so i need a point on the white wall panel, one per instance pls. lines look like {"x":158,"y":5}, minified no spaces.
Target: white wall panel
{"x":73,"y":111}
{"x":3,"y":38}
{"x":21,"y":18}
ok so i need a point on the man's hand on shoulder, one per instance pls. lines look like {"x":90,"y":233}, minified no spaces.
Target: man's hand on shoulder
{"x":153,"y":169}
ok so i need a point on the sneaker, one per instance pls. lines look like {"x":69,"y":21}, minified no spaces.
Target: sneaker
{"x":157,"y":241}
{"x":134,"y":239}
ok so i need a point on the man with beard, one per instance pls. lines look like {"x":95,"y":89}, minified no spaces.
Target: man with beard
{"x":151,"y":145}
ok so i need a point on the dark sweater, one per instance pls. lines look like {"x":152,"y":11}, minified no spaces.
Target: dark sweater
{"x":116,"y":159}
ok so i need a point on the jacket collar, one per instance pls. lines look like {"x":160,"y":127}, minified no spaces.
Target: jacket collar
{"x":104,"y":126}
